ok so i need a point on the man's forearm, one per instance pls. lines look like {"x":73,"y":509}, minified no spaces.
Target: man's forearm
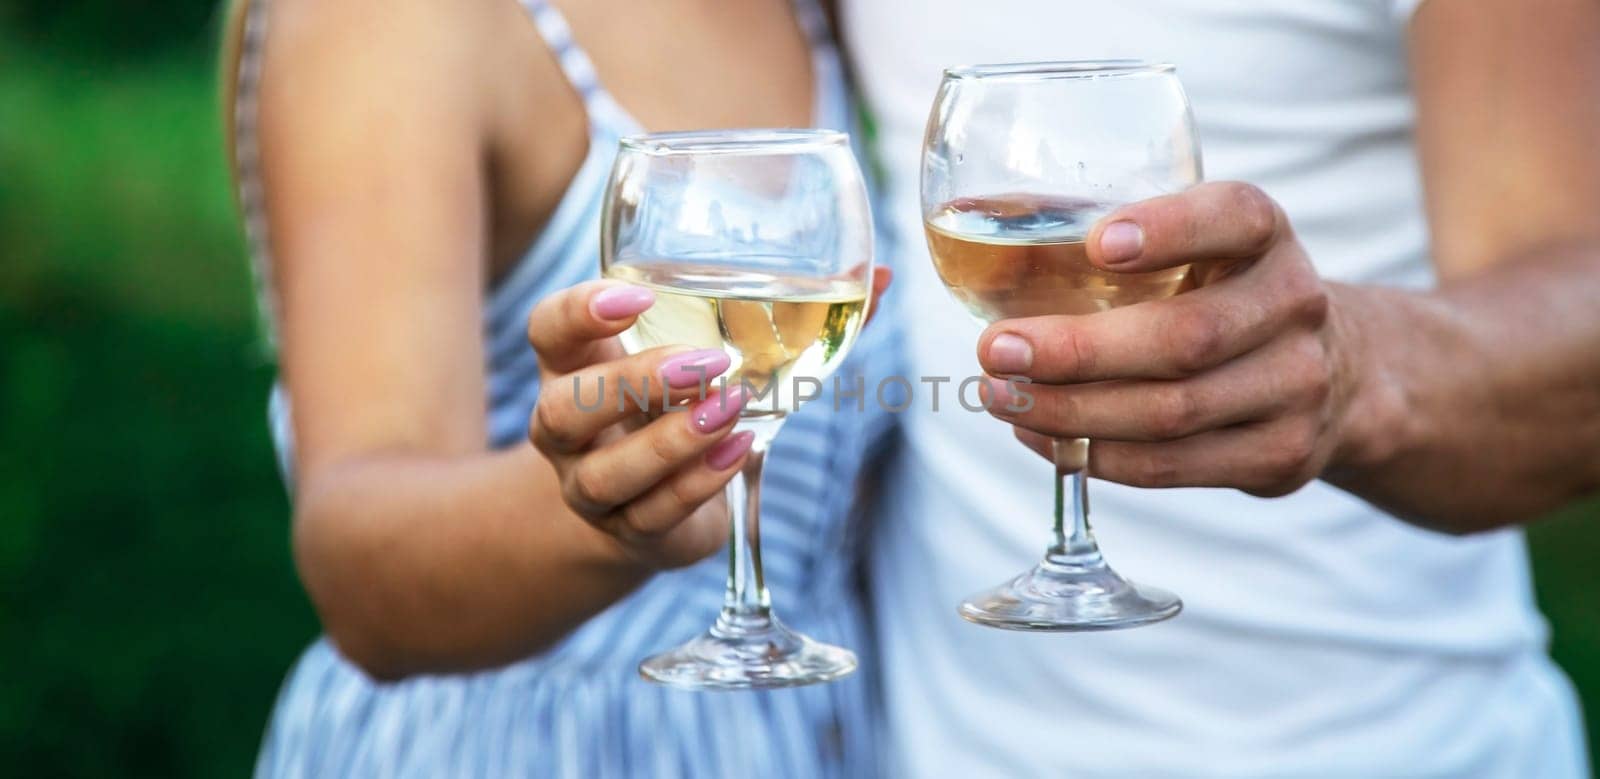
{"x":426,"y":566}
{"x":1478,"y":405}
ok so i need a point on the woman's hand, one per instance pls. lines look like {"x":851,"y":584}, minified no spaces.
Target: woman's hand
{"x":650,"y":479}
{"x":1244,"y":382}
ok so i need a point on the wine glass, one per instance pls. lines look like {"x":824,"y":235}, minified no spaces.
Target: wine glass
{"x":759,"y":243}
{"x":1019,"y":161}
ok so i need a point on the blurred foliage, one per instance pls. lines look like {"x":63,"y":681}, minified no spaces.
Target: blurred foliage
{"x":1566,"y":573}
{"x":109,"y":30}
{"x":148,"y":608}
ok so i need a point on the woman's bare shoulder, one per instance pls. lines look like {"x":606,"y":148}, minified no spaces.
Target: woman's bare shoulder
{"x":400,"y":43}
{"x":441,"y":18}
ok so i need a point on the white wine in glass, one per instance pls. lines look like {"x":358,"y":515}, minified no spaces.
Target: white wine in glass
{"x":1013,"y":256}
{"x":759,"y":243}
{"x":775,"y":328}
{"x":1019,"y":162}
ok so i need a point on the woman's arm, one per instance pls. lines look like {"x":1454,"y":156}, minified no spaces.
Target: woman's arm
{"x":421,"y":551}
{"x":1463,"y":409}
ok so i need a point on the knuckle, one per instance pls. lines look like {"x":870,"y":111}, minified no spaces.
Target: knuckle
{"x":1257,"y":214}
{"x":1307,"y":297}
{"x":1080,"y":351}
{"x":544,"y":429}
{"x":1069,"y":351}
{"x":1156,"y":470}
{"x":585,"y":488}
{"x":1191,"y":213}
{"x":1315,"y":375}
{"x":1301,"y":448}
{"x":538,"y":325}
{"x":635,"y":522}
{"x":575,"y":304}
{"x":531,"y":329}
{"x":684,"y":497}
{"x":1196,"y":341}
{"x":1177,"y":413}
{"x":1277,"y":487}
{"x":665,"y":447}
{"x":1070,"y":408}
{"x":539,"y":428}
{"x":1313,"y":308}
{"x":1318,"y":389}
{"x":574,"y":300}
{"x":1055,"y":410}
{"x":1283,"y":477}
{"x":1292,"y":454}
{"x":1272,"y":489}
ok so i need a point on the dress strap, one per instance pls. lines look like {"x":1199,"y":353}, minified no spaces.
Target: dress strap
{"x":603,"y":109}
{"x":247,"y":165}
{"x":814,"y":23}
{"x":831,"y":106}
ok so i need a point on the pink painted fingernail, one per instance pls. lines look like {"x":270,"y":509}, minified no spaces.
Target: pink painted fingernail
{"x":621,"y":302}
{"x":713,"y":413}
{"x":1009,"y":354}
{"x":1121,"y":242}
{"x":725,"y":454}
{"x":691,"y":369}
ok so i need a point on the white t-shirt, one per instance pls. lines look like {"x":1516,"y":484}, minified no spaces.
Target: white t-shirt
{"x":1320,"y":637}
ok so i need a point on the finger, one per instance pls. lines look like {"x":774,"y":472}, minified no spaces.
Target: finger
{"x":1257,"y":386}
{"x":574,"y":409}
{"x":668,"y":504}
{"x":1224,"y":220}
{"x":881,"y":279}
{"x":1041,"y":444}
{"x":1266,"y":459}
{"x":626,"y":468}
{"x":565,"y":328}
{"x":1160,"y":339}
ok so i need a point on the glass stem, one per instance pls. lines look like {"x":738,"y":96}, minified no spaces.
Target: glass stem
{"x":1074,"y":542}
{"x":746,"y":608}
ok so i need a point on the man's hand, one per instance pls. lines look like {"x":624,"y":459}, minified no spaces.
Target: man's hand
{"x":1243,"y":382}
{"x":1464,"y":408}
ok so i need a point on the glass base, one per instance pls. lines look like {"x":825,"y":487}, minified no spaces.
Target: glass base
{"x":1065,"y":597}
{"x":759,"y":655}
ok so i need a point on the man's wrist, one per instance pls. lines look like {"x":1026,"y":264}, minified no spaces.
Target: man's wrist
{"x":1376,"y":419}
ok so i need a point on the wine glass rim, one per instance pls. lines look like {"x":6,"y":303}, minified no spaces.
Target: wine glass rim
{"x":769,"y":140}
{"x":1060,"y":69}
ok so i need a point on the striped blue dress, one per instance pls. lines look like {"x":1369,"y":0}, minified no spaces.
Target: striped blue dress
{"x":580,"y":709}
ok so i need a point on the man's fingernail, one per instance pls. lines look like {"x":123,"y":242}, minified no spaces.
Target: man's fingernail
{"x":621,"y":302}
{"x":690,"y":369}
{"x":725,"y":454}
{"x":711,"y":414}
{"x":999,"y":394}
{"x":1121,"y":242}
{"x":1009,"y":354}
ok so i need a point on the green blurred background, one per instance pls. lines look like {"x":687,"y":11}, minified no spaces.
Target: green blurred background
{"x":148,"y":608}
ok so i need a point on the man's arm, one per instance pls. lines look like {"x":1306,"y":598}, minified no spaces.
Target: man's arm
{"x":1493,"y":415}
{"x":1500,"y":369}
{"x":1470,"y":407}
